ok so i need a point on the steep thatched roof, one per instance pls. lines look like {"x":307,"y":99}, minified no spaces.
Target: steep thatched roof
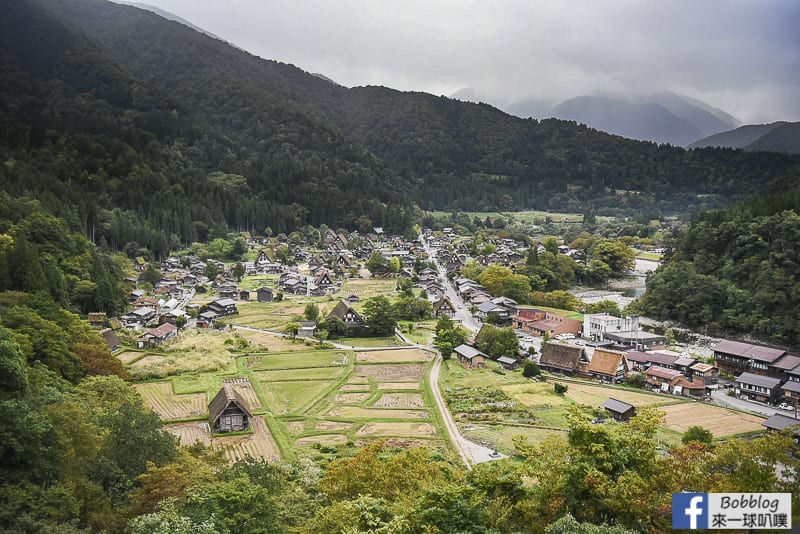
{"x":227,"y":396}
{"x":562,"y":356}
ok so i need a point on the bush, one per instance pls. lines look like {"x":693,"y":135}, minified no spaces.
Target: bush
{"x":530,"y":369}
{"x":560,"y":388}
{"x":698,"y":434}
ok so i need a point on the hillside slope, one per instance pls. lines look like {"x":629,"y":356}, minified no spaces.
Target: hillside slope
{"x":293,"y":148}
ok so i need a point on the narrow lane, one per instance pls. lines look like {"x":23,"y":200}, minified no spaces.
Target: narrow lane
{"x":455,"y":436}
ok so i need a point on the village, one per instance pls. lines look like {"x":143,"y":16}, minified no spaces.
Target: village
{"x":301,"y":305}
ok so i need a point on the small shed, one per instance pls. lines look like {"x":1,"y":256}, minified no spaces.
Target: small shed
{"x":618,"y":410}
{"x":264,"y":294}
{"x":229,"y":411}
{"x":508,"y":363}
{"x":470,"y":357}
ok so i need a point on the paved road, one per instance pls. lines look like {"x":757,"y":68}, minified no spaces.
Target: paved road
{"x":462,"y":311}
{"x":720,"y":396}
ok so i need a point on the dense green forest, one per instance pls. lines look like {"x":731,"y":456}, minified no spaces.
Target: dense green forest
{"x":735,"y":271}
{"x":152,"y":142}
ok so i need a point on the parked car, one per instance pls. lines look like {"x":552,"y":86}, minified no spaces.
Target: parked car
{"x":786,"y":406}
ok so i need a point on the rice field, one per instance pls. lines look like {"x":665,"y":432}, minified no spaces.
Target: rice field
{"x":391,"y":373}
{"x":719,"y":421}
{"x":169,"y":406}
{"x":594,"y":396}
{"x":419,"y":430}
{"x":259,"y":444}
{"x":358,"y":412}
{"x":393,"y":356}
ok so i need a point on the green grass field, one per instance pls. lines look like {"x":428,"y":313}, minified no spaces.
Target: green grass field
{"x":569,"y":314}
{"x":649,"y":256}
{"x":371,"y":342}
{"x":524,"y":217}
{"x":301,"y":360}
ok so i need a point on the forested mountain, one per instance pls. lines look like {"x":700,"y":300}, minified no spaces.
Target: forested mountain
{"x":156,"y":141}
{"x":735,"y":271}
{"x":774,"y":137}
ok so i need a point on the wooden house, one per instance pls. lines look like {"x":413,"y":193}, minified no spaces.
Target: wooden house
{"x":223,"y":307}
{"x":264,"y":294}
{"x":345,"y":312}
{"x":97,"y":319}
{"x":618,"y":410}
{"x":229,"y":411}
{"x":156,"y":336}
{"x":470,"y":357}
{"x":734,"y":357}
{"x":562,"y":358}
{"x":758,"y":388}
{"x":508,"y":363}
{"x":608,"y":366}
{"x":443,"y":308}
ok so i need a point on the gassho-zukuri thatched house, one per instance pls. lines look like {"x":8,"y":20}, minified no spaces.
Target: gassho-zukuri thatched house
{"x":229,"y":411}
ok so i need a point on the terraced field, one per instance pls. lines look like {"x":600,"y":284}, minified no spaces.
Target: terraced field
{"x":312,"y":398}
{"x":169,"y":406}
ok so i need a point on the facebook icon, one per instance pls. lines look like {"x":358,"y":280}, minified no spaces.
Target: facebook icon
{"x":689,"y":510}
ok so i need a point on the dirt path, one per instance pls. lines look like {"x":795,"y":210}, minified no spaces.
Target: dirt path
{"x":452,"y":429}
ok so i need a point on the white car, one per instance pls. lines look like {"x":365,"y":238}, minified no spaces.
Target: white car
{"x":786,"y":406}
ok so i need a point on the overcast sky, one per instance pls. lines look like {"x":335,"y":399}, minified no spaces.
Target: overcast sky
{"x":740,"y":56}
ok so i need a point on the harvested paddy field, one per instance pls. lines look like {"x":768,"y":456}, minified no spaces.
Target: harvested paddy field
{"x":129,"y":356}
{"x":719,"y":421}
{"x":259,"y":444}
{"x":355,"y":387}
{"x":594,"y":396}
{"x":398,"y":385}
{"x":358,"y":412}
{"x":392,"y":356}
{"x":418,"y":430}
{"x":351,"y":398}
{"x":190,"y":433}
{"x":322,"y":439}
{"x":391,"y":373}
{"x":169,"y":407}
{"x":243,"y":386}
{"x":333,"y":425}
{"x":400,"y":400}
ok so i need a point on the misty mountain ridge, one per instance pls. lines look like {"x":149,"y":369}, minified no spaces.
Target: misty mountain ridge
{"x":778,"y":136}
{"x":663,"y":117}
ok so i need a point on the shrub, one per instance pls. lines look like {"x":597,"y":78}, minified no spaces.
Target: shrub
{"x":560,"y":388}
{"x":530,"y":369}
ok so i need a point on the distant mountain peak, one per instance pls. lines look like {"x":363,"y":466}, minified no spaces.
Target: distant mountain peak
{"x":778,"y":136}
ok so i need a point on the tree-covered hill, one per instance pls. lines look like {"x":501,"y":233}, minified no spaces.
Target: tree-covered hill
{"x":151,"y":134}
{"x":447,"y":154}
{"x":735,"y":271}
